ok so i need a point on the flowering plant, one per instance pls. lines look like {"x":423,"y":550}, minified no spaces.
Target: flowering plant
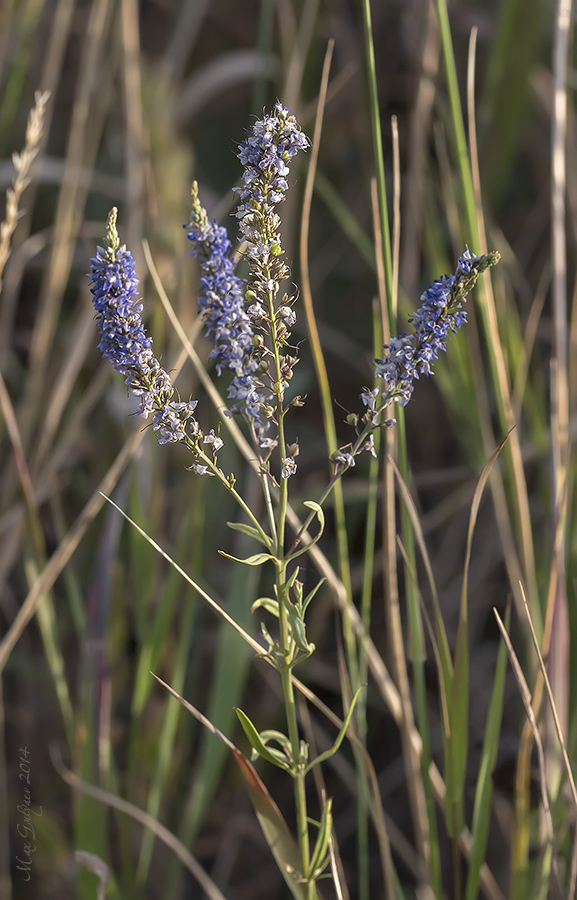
{"x":249,"y":325}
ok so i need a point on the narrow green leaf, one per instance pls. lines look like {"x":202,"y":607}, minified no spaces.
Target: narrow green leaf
{"x":270,"y":734}
{"x":298,"y":629}
{"x":251,"y":532}
{"x":457,"y":743}
{"x":257,"y":560}
{"x":232,"y":660}
{"x":459,"y":725}
{"x":340,"y":737}
{"x":274,"y":827}
{"x":293,"y":577}
{"x":273,"y":756}
{"x":321,"y":519}
{"x":267,"y":603}
{"x":310,"y":596}
{"x":310,"y":504}
{"x":267,"y":635}
{"x":484,"y":789}
{"x":320,"y":855}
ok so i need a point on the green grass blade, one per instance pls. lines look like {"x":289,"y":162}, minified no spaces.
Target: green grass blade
{"x":419,"y":787}
{"x":458,"y":740}
{"x":484,"y":788}
{"x":507,"y":91}
{"x":231,"y":669}
{"x":515,"y":507}
{"x":343,"y":216}
{"x":168,"y":735}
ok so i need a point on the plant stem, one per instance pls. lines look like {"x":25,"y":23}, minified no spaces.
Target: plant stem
{"x":286,"y":641}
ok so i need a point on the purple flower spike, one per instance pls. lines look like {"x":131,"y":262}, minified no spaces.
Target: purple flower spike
{"x":409,"y":356}
{"x":228,"y":323}
{"x":124,"y":342}
{"x":265,"y":153}
{"x":243,"y":335}
{"x":269,"y":146}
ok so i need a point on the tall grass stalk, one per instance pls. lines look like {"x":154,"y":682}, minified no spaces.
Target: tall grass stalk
{"x":424,"y":821}
{"x":475,"y":233}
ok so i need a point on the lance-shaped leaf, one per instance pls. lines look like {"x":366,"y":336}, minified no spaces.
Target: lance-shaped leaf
{"x":275,"y":829}
{"x":276,"y":757}
{"x":267,"y":603}
{"x":312,"y":593}
{"x":321,"y":519}
{"x":321,"y":854}
{"x":270,"y":734}
{"x":340,"y":737}
{"x":484,"y":789}
{"x":298,"y":629}
{"x":251,"y":532}
{"x":257,"y":560}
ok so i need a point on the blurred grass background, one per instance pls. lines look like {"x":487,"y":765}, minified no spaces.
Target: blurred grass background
{"x":144,"y":99}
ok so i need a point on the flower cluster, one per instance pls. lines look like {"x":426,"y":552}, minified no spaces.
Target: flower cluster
{"x":221,"y":305}
{"x":124,"y":342}
{"x":409,"y":356}
{"x":245,"y":337}
{"x":266,"y":152}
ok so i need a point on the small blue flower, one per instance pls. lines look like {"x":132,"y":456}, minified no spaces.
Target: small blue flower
{"x":228,"y":324}
{"x":269,"y":146}
{"x":214,"y":440}
{"x":288,"y":467}
{"x":345,"y":459}
{"x":124,"y":342}
{"x":409,"y":356}
{"x":221,"y":299}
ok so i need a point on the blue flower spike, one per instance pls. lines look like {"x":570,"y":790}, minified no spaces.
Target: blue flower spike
{"x":410,"y":355}
{"x":269,"y":146}
{"x":123,"y":340}
{"x":227,"y":323}
{"x":246,"y":323}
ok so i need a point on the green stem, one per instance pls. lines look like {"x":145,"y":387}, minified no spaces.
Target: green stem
{"x":340,"y":469}
{"x":292,"y":726}
{"x":207,"y":461}
{"x":285,"y":635}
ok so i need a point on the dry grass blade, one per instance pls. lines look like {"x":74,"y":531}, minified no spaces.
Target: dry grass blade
{"x":390,"y":695}
{"x":22,"y":163}
{"x":475,"y":509}
{"x":16,"y":441}
{"x":561,"y":739}
{"x":557,"y":681}
{"x":81,"y":152}
{"x":96,"y":865}
{"x":58,"y":409}
{"x":521,"y":512}
{"x":197,"y":714}
{"x":526,"y":698}
{"x":306,"y":289}
{"x":221,"y":612}
{"x":558,"y":728}
{"x":161,"y":832}
{"x":335,"y":873}
{"x":134,"y":139}
{"x":65,"y":550}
